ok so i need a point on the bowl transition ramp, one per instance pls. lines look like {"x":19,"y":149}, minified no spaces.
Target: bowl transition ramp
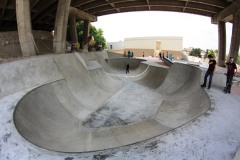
{"x":53,"y":116}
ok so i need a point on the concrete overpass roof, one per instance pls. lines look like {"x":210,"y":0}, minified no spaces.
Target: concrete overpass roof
{"x":43,"y":12}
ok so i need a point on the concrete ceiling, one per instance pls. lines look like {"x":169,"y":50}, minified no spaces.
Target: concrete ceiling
{"x":43,"y":12}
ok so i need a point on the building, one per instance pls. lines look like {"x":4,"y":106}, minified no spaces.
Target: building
{"x":149,"y":46}
{"x":116,"y":47}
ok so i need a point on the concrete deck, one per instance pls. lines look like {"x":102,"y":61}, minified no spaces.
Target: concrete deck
{"x":76,"y":109}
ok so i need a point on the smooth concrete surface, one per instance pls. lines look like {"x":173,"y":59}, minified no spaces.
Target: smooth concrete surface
{"x":97,"y":109}
{"x":27,"y":73}
{"x":91,"y":110}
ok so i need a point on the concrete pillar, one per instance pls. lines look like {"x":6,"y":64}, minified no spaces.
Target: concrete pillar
{"x":73,"y":29}
{"x":60,"y":31}
{"x":235,"y":41}
{"x":24,"y":25}
{"x":221,"y":43}
{"x":86,"y":30}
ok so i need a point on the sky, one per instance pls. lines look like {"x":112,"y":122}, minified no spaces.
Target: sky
{"x":197,"y":31}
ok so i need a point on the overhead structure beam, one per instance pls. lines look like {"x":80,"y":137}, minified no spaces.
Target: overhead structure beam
{"x":227,"y":13}
{"x":185,"y":6}
{"x":46,"y":15}
{"x":42,"y":9}
{"x":216,"y":3}
{"x":4,"y":8}
{"x":82,"y":15}
{"x":43,"y":12}
{"x":149,"y":7}
{"x":113,"y":6}
{"x":78,"y":3}
{"x":33,"y":4}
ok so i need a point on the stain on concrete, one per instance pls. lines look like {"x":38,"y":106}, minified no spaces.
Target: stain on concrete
{"x":105,"y":117}
{"x":100,"y":120}
{"x":101,"y":157}
{"x":211,"y":109}
{"x":207,"y":114}
{"x":152,"y":145}
{"x":114,"y":121}
{"x":6,"y":137}
{"x":32,"y":154}
{"x":15,"y":144}
{"x":69,"y":158}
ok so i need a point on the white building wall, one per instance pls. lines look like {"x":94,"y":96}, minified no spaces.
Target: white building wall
{"x":167,"y":43}
{"x":140,"y":43}
{"x":115,"y":45}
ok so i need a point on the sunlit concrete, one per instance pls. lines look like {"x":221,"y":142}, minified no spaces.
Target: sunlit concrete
{"x":75,"y":108}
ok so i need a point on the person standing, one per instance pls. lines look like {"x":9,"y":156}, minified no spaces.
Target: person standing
{"x":129,"y":54}
{"x":127,"y":69}
{"x":160,"y":55}
{"x":231,"y":71}
{"x":211,"y":68}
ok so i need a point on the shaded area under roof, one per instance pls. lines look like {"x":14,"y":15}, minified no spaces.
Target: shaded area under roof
{"x":43,"y":12}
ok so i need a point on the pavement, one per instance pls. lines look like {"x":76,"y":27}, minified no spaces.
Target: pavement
{"x":236,"y":90}
{"x":80,"y":106}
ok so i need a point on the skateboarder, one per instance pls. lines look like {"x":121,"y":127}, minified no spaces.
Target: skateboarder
{"x":160,"y":55}
{"x":211,"y":68}
{"x":127,"y":69}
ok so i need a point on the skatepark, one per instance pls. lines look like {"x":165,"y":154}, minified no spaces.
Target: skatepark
{"x":85,"y":106}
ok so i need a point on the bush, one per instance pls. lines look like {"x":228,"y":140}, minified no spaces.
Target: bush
{"x":196,"y":52}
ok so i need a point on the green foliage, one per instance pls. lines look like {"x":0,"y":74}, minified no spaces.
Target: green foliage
{"x":196,"y":52}
{"x":98,"y":37}
{"x":211,"y":52}
{"x":96,"y":33}
{"x":238,"y":60}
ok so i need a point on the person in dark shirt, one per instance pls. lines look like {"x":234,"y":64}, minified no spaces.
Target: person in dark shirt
{"x":212,"y":65}
{"x":127,"y":69}
{"x":231,"y":71}
{"x":160,"y":55}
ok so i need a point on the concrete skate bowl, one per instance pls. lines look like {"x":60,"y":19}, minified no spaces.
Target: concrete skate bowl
{"x":91,"y":110}
{"x":118,"y":65}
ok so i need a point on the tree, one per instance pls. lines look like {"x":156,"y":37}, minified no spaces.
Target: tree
{"x":196,"y":52}
{"x":238,"y":60}
{"x":99,"y":40}
{"x":211,"y":52}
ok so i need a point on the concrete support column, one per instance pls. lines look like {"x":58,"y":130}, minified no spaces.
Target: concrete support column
{"x":26,"y":39}
{"x":73,"y":29}
{"x":235,"y":41}
{"x":86,"y":30}
{"x":221,"y":43}
{"x":60,"y":31}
